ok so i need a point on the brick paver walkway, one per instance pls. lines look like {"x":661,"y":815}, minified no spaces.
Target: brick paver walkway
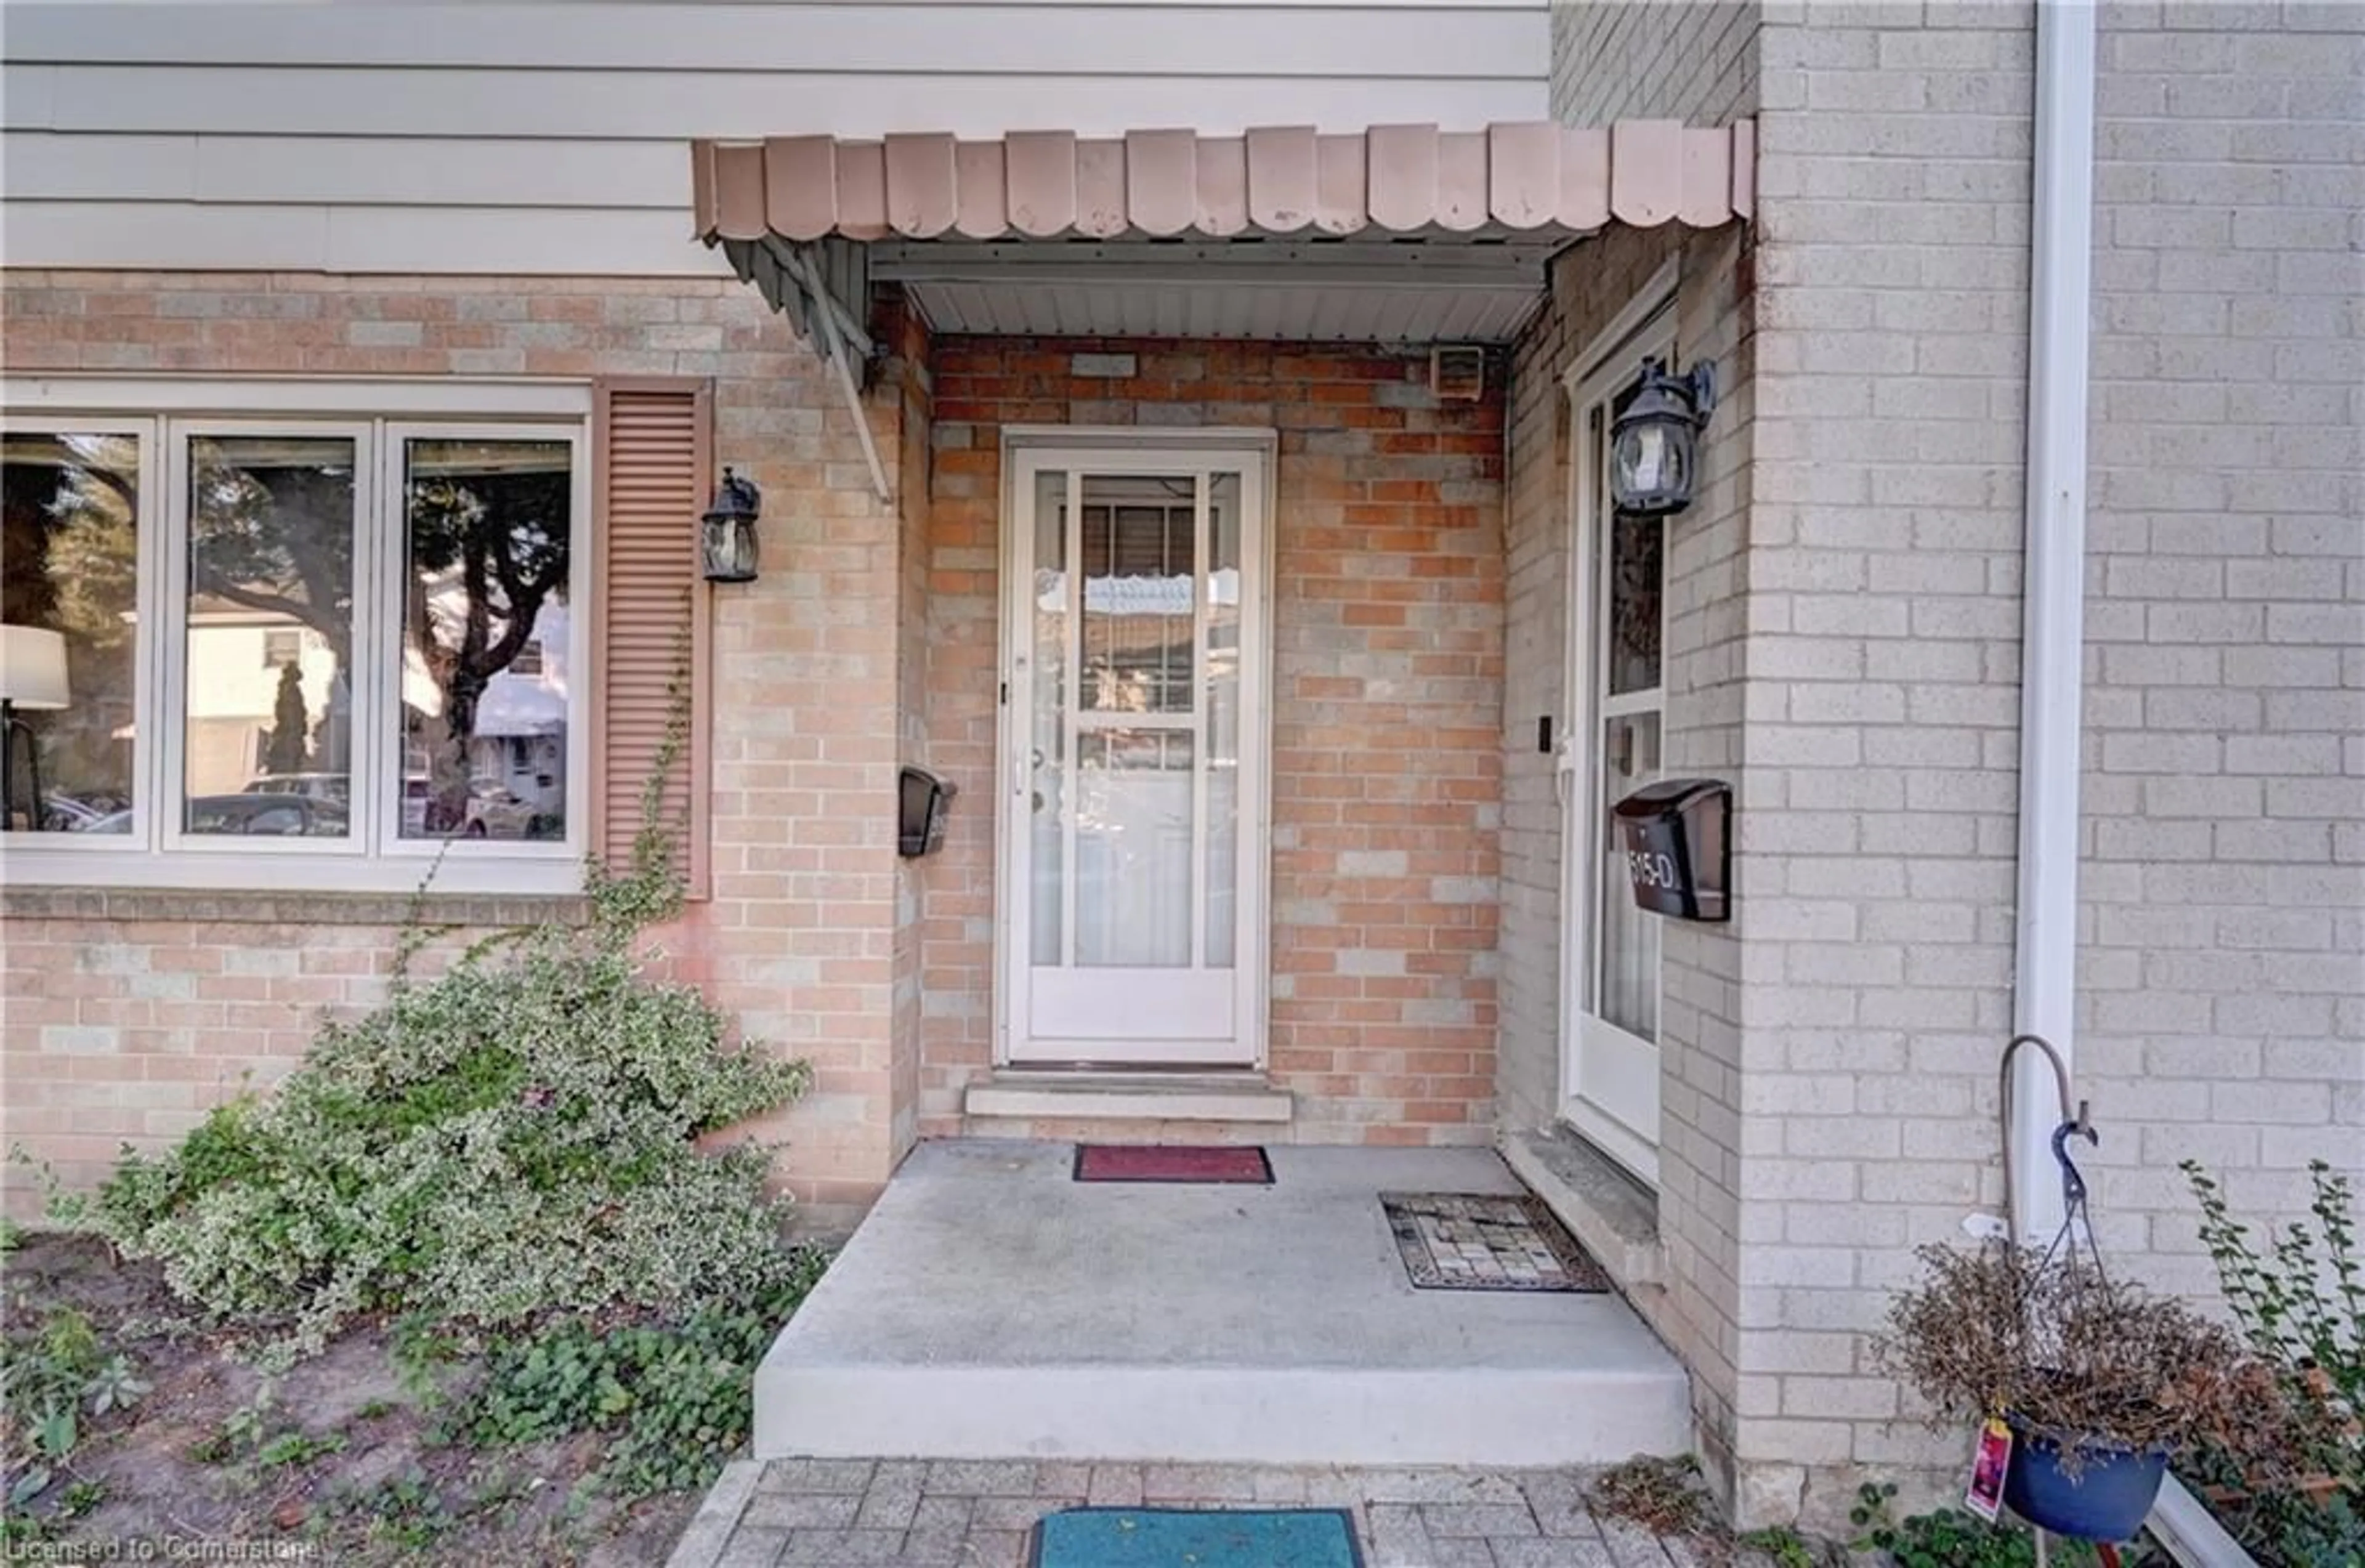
{"x":838,"y":1513}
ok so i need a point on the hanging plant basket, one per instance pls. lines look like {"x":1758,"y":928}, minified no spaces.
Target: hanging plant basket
{"x":2099,"y":1492}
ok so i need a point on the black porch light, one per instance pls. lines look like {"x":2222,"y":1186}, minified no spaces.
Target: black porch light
{"x":1652,"y":445}
{"x":727,"y":531}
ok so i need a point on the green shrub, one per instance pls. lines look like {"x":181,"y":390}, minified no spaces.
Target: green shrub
{"x":2293,"y":1487}
{"x":674,"y":1395}
{"x":509,"y":1140}
{"x":1952,"y":1538}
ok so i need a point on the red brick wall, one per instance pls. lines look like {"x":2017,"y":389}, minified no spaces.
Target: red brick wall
{"x":870,"y":640}
{"x":1387,"y":696}
{"x":119,"y":1026}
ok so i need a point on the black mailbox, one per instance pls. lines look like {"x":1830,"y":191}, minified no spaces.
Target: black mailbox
{"x":920,"y":824}
{"x":1679,"y":846}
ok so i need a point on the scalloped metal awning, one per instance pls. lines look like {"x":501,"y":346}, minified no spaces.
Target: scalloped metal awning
{"x":1289,"y":182}
{"x":1400,"y":233}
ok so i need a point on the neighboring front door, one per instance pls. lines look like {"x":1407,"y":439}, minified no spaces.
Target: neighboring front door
{"x":1133,"y":852}
{"x":1617,"y":686}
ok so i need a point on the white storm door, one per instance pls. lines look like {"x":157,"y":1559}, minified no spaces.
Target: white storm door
{"x":1610,"y":956}
{"x":1133,"y":855}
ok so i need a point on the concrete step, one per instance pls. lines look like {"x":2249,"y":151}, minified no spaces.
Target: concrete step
{"x":990,"y":1308}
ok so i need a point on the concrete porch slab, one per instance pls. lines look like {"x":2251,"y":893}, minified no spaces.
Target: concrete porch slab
{"x":990,"y":1308}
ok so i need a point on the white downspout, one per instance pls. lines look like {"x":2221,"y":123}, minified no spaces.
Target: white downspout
{"x":2052,"y":669}
{"x":2054,"y":590}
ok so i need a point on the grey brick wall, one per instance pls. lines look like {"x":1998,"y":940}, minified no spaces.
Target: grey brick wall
{"x":2223,"y":981}
{"x":1700,"y":1028}
{"x":1876,"y":846}
{"x":1589,"y":285}
{"x":1868,"y":976}
{"x":1695,"y":62}
{"x":1690,"y":60}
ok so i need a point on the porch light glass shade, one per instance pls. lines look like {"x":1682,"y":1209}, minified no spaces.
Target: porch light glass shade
{"x":727,"y":531}
{"x":1651,"y":468}
{"x":33,"y":668}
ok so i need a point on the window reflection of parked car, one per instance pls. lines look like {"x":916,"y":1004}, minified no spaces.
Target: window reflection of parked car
{"x":282,"y":815}
{"x":318,"y":786}
{"x":495,"y":812}
{"x":66,"y":814}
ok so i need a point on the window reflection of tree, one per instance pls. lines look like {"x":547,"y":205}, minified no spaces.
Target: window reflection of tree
{"x":1635,"y":590}
{"x":500,"y":537}
{"x":275,"y":537}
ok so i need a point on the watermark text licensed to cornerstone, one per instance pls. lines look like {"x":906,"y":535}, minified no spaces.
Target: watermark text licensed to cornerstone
{"x":161,"y":1549}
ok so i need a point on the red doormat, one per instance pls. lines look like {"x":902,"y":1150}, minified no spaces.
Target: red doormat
{"x":1149,"y":1162}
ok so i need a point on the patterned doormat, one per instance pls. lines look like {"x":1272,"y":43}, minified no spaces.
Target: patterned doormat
{"x":1482,"y":1241}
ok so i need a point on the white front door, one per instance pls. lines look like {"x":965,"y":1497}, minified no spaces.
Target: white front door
{"x":1616,"y":699}
{"x":1133,"y":851}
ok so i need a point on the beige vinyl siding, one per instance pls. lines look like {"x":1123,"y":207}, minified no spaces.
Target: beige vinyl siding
{"x":552,"y":139}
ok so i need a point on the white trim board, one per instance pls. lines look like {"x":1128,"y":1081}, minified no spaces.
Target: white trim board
{"x":1590,"y":1049}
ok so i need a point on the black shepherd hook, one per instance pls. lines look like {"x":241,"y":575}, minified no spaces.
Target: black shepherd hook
{"x":2073,"y":1185}
{"x":2074,"y":1213}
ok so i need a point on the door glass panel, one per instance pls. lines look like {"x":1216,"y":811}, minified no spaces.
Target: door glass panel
{"x":1133,"y":848}
{"x":1221,"y":593}
{"x":1628,"y":981}
{"x":268,"y":733}
{"x":1135,"y":727}
{"x":1138,"y":573}
{"x":1047,"y":761}
{"x":1636,"y":574}
{"x":71,"y":546}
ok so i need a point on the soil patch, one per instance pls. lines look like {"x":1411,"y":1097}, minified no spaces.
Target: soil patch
{"x":342,"y":1463}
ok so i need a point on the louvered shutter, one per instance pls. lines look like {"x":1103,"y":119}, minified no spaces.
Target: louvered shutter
{"x":651,"y":442}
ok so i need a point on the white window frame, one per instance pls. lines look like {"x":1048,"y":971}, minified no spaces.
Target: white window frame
{"x":1645,"y":327}
{"x":161,"y":413}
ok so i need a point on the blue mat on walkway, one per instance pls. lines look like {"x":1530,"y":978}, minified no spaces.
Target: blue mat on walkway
{"x":1181,"y":1538}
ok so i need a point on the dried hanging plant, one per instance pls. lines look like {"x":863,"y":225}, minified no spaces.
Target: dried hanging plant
{"x":2074,"y":1357}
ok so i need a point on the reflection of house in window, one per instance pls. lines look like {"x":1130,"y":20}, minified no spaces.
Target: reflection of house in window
{"x":519,"y":740}
{"x":236,"y":656}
